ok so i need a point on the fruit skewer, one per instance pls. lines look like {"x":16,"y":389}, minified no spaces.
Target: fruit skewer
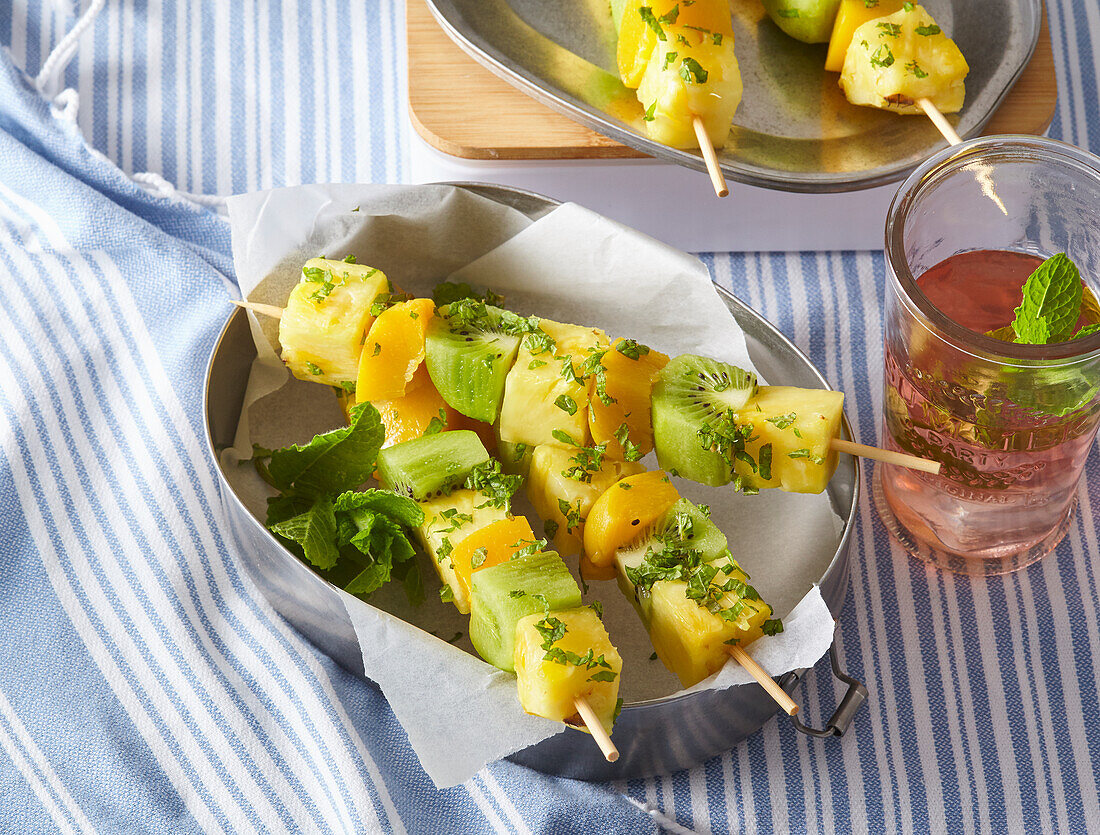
{"x":441,"y":461}
{"x":890,"y":53}
{"x":526,"y":613}
{"x":679,"y":58}
{"x":475,"y":359}
{"x":673,"y":563}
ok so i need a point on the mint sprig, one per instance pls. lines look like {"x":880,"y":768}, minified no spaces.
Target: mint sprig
{"x":1051,"y":303}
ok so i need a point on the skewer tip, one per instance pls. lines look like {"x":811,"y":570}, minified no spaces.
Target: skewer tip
{"x":596,"y":728}
{"x":706,"y":147}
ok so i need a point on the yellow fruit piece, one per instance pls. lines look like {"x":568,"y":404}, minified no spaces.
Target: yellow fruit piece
{"x":546,"y":391}
{"x":448,"y":520}
{"x":690,"y":74}
{"x":850,"y":16}
{"x":624,"y":511}
{"x":897,"y":59}
{"x":583,"y":663}
{"x":691,"y":640}
{"x":492,"y":545}
{"x":393,"y":351}
{"x":411,"y":415}
{"x":629,"y":384}
{"x":326,"y":316}
{"x":641,"y":18}
{"x":564,"y":501}
{"x":798,"y":425}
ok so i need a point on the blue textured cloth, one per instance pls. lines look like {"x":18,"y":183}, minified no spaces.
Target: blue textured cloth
{"x":146,"y":686}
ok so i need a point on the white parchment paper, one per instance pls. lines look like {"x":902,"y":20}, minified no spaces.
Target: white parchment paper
{"x":570,"y":265}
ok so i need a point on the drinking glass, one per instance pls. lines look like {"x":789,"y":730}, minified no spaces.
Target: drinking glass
{"x":1011,"y":424}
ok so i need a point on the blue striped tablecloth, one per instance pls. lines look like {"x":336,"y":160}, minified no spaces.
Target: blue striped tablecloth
{"x":146,"y":686}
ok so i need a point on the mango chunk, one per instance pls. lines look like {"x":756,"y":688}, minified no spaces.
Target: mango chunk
{"x":850,"y":16}
{"x":623,"y":512}
{"x":619,"y":410}
{"x":489,"y":546}
{"x":421,"y":408}
{"x":394,"y":350}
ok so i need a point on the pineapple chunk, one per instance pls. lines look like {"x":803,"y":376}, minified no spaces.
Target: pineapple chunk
{"x":546,"y":390}
{"x":326,"y":319}
{"x":447,"y":521}
{"x":796,"y":425}
{"x":690,"y":74}
{"x":689,"y":638}
{"x":850,"y":16}
{"x":562,"y":656}
{"x":563,"y":501}
{"x":897,"y":59}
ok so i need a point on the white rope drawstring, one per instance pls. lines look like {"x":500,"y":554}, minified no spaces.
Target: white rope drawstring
{"x":48,"y":80}
{"x":65,"y":103}
{"x":157,"y":185}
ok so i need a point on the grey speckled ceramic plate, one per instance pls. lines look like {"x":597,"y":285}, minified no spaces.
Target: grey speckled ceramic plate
{"x":794,"y":130}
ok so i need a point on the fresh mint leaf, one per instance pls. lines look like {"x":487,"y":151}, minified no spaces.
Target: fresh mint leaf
{"x":1087,"y":330}
{"x":333,"y":461}
{"x":1051,"y":303}
{"x":399,"y":508}
{"x":314,"y":531}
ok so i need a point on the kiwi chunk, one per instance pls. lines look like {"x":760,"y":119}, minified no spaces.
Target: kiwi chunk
{"x":469,"y":348}
{"x":685,"y":527}
{"x":431,"y":465}
{"x":504,"y":594}
{"x":694,"y":404}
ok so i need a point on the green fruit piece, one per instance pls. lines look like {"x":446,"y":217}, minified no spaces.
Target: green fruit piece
{"x":693,"y":527}
{"x":684,"y":523}
{"x":809,"y":21}
{"x":692,"y":404}
{"x":469,"y":348}
{"x":431,"y":465}
{"x":505,"y":593}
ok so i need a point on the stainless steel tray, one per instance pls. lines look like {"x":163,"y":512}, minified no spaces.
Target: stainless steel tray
{"x":794,"y":129}
{"x":654,"y":737}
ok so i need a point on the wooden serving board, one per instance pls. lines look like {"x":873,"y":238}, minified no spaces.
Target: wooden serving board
{"x":462,"y":109}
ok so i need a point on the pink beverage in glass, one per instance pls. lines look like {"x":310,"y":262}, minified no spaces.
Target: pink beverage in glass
{"x":1010,"y":470}
{"x":1011,"y":424}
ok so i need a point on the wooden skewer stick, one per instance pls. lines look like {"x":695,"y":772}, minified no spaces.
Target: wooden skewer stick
{"x":766,"y":681}
{"x":595,"y":727}
{"x":940,"y":121}
{"x":885,"y":455}
{"x":264,"y":309}
{"x":717,"y":179}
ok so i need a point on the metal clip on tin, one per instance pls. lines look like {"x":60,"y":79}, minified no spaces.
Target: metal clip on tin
{"x":845,"y":711}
